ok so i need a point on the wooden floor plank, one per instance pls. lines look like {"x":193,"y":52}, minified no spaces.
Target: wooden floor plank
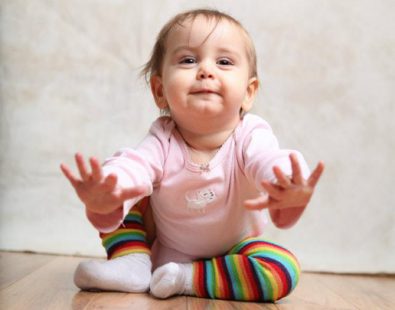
{"x":42,"y":282}
{"x":49,"y":287}
{"x":312,"y":294}
{"x":15,"y":266}
{"x":114,"y":300}
{"x":202,"y":303}
{"x":364,"y":292}
{"x":81,"y":300}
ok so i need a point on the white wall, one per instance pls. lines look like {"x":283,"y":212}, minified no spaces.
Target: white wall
{"x":69,"y":81}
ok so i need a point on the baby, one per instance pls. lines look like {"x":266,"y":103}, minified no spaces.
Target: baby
{"x":206,"y":171}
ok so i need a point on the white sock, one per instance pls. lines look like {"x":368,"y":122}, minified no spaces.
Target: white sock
{"x":129,"y":273}
{"x":172,"y":279}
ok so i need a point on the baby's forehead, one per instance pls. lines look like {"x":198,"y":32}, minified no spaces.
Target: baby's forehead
{"x":202,"y":23}
{"x":198,"y":30}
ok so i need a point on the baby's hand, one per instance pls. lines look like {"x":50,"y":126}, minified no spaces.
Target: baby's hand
{"x":100,"y":194}
{"x":288,"y":192}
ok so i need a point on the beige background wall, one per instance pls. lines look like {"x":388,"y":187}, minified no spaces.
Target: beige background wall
{"x":69,"y":81}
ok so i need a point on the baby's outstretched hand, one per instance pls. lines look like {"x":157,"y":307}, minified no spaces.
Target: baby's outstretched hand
{"x":100,"y":194}
{"x":288,"y":192}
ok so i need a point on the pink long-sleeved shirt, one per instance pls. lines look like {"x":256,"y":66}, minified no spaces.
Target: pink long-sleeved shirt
{"x":198,"y":209}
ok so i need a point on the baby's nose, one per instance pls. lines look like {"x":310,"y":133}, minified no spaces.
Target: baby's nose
{"x":205,"y":71}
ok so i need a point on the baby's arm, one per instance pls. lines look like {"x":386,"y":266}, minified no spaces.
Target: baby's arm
{"x":100,"y":194}
{"x":288,"y":197}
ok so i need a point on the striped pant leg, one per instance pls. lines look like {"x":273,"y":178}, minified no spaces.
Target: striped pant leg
{"x":130,"y":237}
{"x":253,"y":270}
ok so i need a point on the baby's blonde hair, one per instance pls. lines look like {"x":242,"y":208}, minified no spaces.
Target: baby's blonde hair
{"x":154,"y":65}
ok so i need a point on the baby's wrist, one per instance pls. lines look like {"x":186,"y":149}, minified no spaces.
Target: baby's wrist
{"x":102,"y":210}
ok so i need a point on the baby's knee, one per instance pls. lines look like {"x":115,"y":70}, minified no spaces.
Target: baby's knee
{"x":288,"y":274}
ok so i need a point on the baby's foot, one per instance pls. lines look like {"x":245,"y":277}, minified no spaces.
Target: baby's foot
{"x":172,"y":279}
{"x":129,"y":273}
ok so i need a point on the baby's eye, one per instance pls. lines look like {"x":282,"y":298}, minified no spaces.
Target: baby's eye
{"x":225,"y":62}
{"x":188,"y":60}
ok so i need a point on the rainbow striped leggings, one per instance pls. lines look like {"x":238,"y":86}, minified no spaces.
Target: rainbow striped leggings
{"x":253,"y":270}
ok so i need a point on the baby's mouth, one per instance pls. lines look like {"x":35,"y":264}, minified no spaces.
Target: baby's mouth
{"x":204,"y":91}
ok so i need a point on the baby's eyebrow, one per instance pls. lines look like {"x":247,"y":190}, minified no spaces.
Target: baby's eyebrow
{"x":220,"y":50}
{"x":229,"y":50}
{"x":181,"y":48}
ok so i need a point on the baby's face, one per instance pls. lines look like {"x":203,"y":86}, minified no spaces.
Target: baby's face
{"x":205,"y":75}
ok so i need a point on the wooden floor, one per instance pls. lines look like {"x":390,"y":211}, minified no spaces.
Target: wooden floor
{"x":32,"y":281}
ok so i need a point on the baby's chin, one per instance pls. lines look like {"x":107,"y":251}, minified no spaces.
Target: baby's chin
{"x":211,"y":104}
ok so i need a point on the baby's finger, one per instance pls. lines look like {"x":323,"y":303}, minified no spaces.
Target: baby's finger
{"x":96,"y":169}
{"x":81,"y":167}
{"x":282,"y":179}
{"x":110,"y":181}
{"x":69,"y":175}
{"x":316,"y":174}
{"x":272,"y":190}
{"x":257,"y":203}
{"x":296,"y":170}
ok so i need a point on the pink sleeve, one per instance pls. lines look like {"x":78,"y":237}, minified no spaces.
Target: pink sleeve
{"x":142,"y":166}
{"x":261,"y":151}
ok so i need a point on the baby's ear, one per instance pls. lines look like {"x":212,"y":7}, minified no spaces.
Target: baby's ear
{"x":252,"y":90}
{"x":157,"y":92}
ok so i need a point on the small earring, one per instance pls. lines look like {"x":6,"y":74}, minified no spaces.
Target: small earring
{"x":165,"y":112}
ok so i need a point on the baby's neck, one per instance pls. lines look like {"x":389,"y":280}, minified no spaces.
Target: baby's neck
{"x":202,"y":148}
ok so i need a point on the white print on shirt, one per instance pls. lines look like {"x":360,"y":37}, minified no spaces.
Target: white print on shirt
{"x":198,"y":200}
